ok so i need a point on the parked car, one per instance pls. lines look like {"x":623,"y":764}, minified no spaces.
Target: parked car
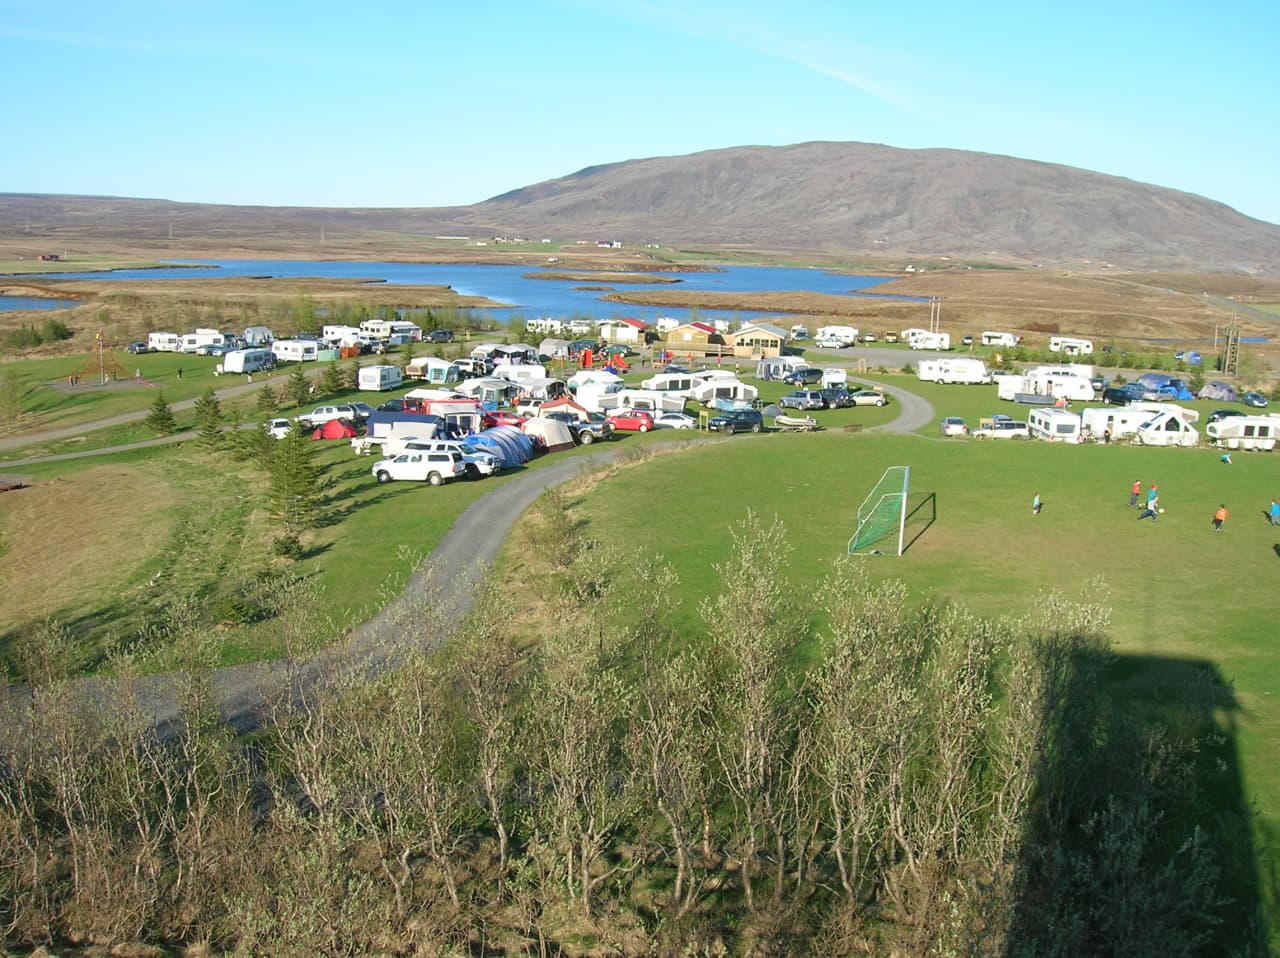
{"x":323,"y":414}
{"x":1123,"y":395}
{"x":139,"y":347}
{"x":1219,"y":414}
{"x":802,"y":399}
{"x":954,"y":426}
{"x":211,"y":349}
{"x":674,"y":420}
{"x":440,"y":336}
{"x":631,"y":420}
{"x":1256,"y":400}
{"x":586,"y":431}
{"x":829,"y":342}
{"x":278,"y":428}
{"x":528,"y":407}
{"x":868,"y":397}
{"x":837,"y":397}
{"x":401,"y":405}
{"x":871,"y":338}
{"x":966,"y":340}
{"x":503,"y":417}
{"x":362,"y":410}
{"x":1099,"y":383}
{"x":1003,"y":429}
{"x":436,"y":468}
{"x":478,"y":463}
{"x":737,"y":420}
{"x":890,"y":337}
{"x":804,"y":376}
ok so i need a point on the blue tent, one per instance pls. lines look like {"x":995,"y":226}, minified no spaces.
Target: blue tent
{"x":1193,"y":359}
{"x":1170,"y":387}
{"x":508,"y":443}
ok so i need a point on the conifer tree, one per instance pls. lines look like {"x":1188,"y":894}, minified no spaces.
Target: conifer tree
{"x":331,"y":380}
{"x":268,"y":402}
{"x":160,"y":419}
{"x":209,"y":419}
{"x":297,"y":388}
{"x":294,"y":494}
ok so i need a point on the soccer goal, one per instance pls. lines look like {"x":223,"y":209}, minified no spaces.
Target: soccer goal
{"x":882,"y":515}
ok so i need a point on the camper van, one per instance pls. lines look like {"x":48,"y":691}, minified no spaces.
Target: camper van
{"x":993,"y":337}
{"x":164,"y":343}
{"x":191,"y":342}
{"x":1054,"y":425}
{"x":848,"y":335}
{"x":966,"y":371}
{"x":248,"y":361}
{"x":1071,"y":346}
{"x":1245,"y":432}
{"x":378,"y":378}
{"x":925,"y":340}
{"x":295,"y":350}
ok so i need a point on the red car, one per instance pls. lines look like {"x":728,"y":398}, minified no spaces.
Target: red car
{"x":501,"y":417}
{"x":634,"y":420}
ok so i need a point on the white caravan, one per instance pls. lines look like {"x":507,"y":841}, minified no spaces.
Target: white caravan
{"x":384,"y":329}
{"x":519,"y":372}
{"x":296,"y":350}
{"x":1059,"y":386}
{"x":201,"y":337}
{"x":1070,"y":345}
{"x":959,"y":370}
{"x":248,"y":361}
{"x":845,"y":334}
{"x":646,"y":399}
{"x":708,"y":391}
{"x":992,"y":337}
{"x":675,"y":383}
{"x":378,"y":378}
{"x":922,"y":340}
{"x":1168,"y":428}
{"x":342,"y":335}
{"x":1055,"y":425}
{"x":1245,"y":432}
{"x":1123,"y":421}
{"x":164,"y":343}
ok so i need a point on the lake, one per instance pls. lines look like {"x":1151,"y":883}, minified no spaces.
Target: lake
{"x":529,"y":298}
{"x":10,"y":304}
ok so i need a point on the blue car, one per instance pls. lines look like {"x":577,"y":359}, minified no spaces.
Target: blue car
{"x":1256,"y":400}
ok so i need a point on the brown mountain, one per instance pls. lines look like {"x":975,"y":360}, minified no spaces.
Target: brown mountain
{"x":847,"y":198}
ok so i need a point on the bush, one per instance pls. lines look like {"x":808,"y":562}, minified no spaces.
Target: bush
{"x":287,"y":546}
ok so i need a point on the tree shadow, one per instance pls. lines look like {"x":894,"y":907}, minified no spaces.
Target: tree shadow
{"x":1141,"y":839}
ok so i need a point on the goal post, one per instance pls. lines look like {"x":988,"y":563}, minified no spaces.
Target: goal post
{"x":882,"y":515}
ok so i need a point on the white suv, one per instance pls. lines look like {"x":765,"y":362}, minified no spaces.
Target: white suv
{"x":323,"y":414}
{"x":1002,"y":429}
{"x":436,"y":468}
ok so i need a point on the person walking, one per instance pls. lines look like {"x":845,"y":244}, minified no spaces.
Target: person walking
{"x":1274,"y":513}
{"x":1135,"y":492}
{"x":1152,"y":496}
{"x":1219,"y":517}
{"x":1036,"y":504}
{"x":1152,"y":510}
{"x":179,"y":372}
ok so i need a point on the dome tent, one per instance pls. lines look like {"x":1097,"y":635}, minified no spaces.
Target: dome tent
{"x":1223,"y":392}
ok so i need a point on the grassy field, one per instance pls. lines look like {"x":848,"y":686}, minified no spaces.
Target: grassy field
{"x":1185,"y":601}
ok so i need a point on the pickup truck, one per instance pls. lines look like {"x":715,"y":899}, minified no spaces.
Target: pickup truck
{"x":584,"y":432}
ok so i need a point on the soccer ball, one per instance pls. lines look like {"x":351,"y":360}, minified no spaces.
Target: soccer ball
{"x":1162,"y":510}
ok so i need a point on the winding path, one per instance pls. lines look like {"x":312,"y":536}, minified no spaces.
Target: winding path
{"x":445,"y":587}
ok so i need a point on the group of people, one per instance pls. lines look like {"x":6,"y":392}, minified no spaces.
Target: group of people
{"x":1152,"y":509}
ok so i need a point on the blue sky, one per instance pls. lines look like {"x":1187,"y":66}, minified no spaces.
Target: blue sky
{"x":436,"y":103}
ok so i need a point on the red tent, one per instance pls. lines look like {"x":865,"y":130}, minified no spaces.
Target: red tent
{"x":335,"y":429}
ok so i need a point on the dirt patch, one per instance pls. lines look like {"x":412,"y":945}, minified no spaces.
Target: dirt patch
{"x":72,"y":541}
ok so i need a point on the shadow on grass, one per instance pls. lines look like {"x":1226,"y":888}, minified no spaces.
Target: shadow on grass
{"x":920,"y":516}
{"x":1142,"y":841}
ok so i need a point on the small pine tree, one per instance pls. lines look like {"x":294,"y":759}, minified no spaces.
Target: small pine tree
{"x":209,"y":419}
{"x":331,"y":380}
{"x":268,"y":402}
{"x":351,"y":376}
{"x":12,"y":397}
{"x":407,"y":352}
{"x":160,"y":419}
{"x":294,"y":494}
{"x":297,"y":388}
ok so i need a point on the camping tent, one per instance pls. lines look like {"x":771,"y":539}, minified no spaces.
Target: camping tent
{"x":508,"y":443}
{"x":1171,"y":386}
{"x":335,"y":429}
{"x":555,"y":435}
{"x":1220,"y":391}
{"x":1168,"y":429}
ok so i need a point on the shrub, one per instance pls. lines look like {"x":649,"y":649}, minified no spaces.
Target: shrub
{"x":287,"y":546}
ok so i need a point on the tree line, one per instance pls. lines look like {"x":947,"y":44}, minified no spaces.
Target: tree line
{"x":849,"y":775}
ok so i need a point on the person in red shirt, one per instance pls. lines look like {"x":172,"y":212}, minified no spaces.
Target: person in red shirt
{"x":1219,"y":518}
{"x":1135,"y":492}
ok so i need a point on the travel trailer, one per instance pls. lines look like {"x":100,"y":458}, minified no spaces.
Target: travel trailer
{"x":966,"y":371}
{"x":256,"y":337}
{"x":341,"y":335}
{"x":1070,"y":345}
{"x":248,"y":361}
{"x":1245,"y":432}
{"x":378,"y":378}
{"x":1168,"y":428}
{"x":924,"y":340}
{"x":708,"y":391}
{"x":1055,"y":425}
{"x":191,"y":342}
{"x":164,"y":343}
{"x":384,"y":329}
{"x":846,"y":334}
{"x":296,"y":350}
{"x":993,"y":337}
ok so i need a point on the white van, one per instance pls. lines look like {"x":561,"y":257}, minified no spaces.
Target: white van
{"x":1054,"y":425}
{"x":295,"y":350}
{"x":378,"y":378}
{"x":248,"y":361}
{"x":164,"y":342}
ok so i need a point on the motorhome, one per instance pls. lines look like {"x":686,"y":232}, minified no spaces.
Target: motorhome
{"x":959,"y":370}
{"x":378,"y":378}
{"x":1070,"y":345}
{"x":846,"y":334}
{"x":992,"y":337}
{"x":384,"y":329}
{"x":926,"y":340}
{"x":164,"y":343}
{"x":1055,"y":425}
{"x":190,"y":342}
{"x":296,"y":350}
{"x":248,"y":361}
{"x":799,"y":332}
{"x":543,"y":325}
{"x":1245,"y":432}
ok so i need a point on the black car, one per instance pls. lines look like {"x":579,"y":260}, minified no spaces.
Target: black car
{"x":836,"y":397}
{"x":401,"y":405}
{"x":139,"y":347}
{"x":804,"y":376}
{"x":1219,"y":414}
{"x":737,"y":420}
{"x":440,"y":336}
{"x":1123,"y":395}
